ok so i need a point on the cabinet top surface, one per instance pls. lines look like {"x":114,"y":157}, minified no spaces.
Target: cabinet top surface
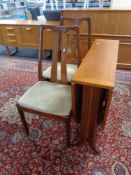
{"x":99,"y":65}
{"x":98,"y":9}
{"x":27,"y":22}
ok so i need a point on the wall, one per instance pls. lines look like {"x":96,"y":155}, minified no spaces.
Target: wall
{"x":121,"y":4}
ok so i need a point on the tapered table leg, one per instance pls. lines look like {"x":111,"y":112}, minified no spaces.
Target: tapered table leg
{"x":89,"y":115}
{"x":108,"y":102}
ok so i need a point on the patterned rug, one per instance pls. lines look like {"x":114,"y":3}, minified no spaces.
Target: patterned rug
{"x":44,"y":152}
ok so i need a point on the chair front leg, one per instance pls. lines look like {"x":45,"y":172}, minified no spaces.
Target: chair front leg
{"x":22,"y":116}
{"x":67,"y":122}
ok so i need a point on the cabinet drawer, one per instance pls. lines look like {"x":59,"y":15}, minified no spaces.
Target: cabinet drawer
{"x":9,"y":34}
{"x":10,"y":29}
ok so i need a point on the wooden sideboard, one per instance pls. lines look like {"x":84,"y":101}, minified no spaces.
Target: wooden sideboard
{"x":24,"y":34}
{"x":107,"y":24}
{"x":95,"y":79}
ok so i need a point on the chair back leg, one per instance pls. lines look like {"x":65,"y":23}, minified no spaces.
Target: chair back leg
{"x":67,"y":122}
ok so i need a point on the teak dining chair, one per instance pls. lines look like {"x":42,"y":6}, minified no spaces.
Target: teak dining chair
{"x":72,"y":63}
{"x":53,"y":98}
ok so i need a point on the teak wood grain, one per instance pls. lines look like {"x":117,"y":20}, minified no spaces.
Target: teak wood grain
{"x":98,"y":67}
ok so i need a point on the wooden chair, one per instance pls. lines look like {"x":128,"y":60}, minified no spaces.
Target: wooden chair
{"x":53,"y":98}
{"x":72,"y":66}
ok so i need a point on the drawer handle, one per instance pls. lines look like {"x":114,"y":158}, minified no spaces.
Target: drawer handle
{"x":11,"y":34}
{"x":12,"y":41}
{"x":28,"y":29}
{"x":48,"y":30}
{"x":9,"y":28}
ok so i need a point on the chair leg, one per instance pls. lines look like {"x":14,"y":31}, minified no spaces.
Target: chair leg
{"x":22,"y":116}
{"x":67,"y":132}
{"x":11,"y":53}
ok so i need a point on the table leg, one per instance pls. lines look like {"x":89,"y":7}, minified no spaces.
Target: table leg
{"x":103,"y":98}
{"x":89,"y":115}
{"x":108,"y":101}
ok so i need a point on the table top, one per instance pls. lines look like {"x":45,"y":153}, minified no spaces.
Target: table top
{"x":27,"y":22}
{"x":99,"y":65}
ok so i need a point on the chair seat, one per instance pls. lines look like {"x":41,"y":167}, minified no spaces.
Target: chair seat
{"x":49,"y":98}
{"x":71,"y":69}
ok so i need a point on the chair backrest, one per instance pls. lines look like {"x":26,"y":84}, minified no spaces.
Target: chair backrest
{"x":64,"y":44}
{"x":78,"y":21}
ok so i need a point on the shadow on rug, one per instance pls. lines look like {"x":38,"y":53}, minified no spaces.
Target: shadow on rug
{"x":44,"y":152}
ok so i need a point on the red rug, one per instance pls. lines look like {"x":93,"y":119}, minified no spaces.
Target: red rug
{"x":44,"y":153}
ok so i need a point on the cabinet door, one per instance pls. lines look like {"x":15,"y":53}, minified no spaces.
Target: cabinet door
{"x":1,"y":38}
{"x":48,"y":39}
{"x":28,"y":36}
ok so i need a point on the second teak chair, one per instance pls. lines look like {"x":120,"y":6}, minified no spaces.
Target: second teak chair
{"x":72,"y":62}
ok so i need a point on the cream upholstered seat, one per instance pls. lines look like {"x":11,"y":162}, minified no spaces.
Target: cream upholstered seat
{"x":53,"y":98}
{"x":71,"y":69}
{"x":48,"y":97}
